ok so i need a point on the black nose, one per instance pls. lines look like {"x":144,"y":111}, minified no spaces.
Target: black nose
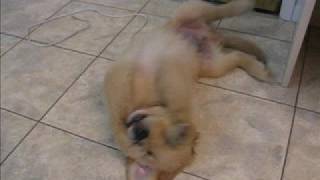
{"x":140,"y":133}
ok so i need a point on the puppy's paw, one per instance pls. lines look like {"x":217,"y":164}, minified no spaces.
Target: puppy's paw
{"x":263,"y":73}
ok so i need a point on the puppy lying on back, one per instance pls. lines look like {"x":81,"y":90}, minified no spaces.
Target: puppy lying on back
{"x":149,"y":89}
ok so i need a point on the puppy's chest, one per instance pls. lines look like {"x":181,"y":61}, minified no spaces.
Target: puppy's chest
{"x":144,"y":82}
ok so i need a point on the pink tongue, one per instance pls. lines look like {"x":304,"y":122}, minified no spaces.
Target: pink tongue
{"x":142,"y":172}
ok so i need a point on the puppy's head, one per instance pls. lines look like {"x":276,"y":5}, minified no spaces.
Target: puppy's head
{"x":161,"y":146}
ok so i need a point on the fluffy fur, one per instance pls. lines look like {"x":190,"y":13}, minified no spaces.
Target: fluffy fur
{"x":151,"y":86}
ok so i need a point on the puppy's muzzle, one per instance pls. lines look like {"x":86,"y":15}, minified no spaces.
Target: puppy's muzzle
{"x":137,"y":130}
{"x":140,"y":132}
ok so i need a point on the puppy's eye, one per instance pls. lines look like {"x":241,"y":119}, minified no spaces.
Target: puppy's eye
{"x":150,"y":153}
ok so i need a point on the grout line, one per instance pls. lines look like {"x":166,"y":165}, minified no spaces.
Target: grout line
{"x":12,"y":35}
{"x":194,"y":175}
{"x":73,"y":50}
{"x":57,"y":11}
{"x":18,"y":114}
{"x":309,"y":110}
{"x":55,"y":127}
{"x":5,"y":52}
{"x":107,"y":59}
{"x":253,"y":34}
{"x":288,"y":144}
{"x":242,"y":93}
{"x":156,"y":15}
{"x":304,"y":51}
{"x":116,"y":36}
{"x":56,"y":46}
{"x":17,"y":145}
{"x":60,"y":47}
{"x":54,"y":13}
{"x":104,"y":5}
{"x":67,"y":89}
{"x":79,"y":136}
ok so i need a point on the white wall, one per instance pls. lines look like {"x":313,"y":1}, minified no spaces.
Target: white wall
{"x":291,"y":9}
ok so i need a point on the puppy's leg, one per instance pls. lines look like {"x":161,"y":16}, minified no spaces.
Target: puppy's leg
{"x":227,"y":61}
{"x":206,"y":12}
{"x":243,"y":45}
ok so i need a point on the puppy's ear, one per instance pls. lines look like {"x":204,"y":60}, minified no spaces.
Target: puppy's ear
{"x":178,"y":133}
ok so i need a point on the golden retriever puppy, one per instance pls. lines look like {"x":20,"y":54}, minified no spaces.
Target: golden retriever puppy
{"x":149,"y":89}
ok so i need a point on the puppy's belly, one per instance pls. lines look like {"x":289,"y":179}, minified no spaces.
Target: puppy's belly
{"x":201,"y":37}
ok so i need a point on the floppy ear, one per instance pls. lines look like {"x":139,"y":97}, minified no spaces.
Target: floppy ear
{"x":178,"y":133}
{"x":134,"y":172}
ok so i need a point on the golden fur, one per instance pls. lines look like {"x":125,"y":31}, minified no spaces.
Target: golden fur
{"x":155,"y":78}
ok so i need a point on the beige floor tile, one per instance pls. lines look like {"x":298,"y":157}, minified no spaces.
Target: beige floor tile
{"x":7,"y":42}
{"x":13,"y":129}
{"x":309,"y":96}
{"x":276,"y":56}
{"x":163,"y":7}
{"x":32,"y":78}
{"x":18,"y":15}
{"x":125,"y":4}
{"x":51,"y":154}
{"x":101,"y":31}
{"x":81,"y":110}
{"x":122,"y":42}
{"x":240,"y":137}
{"x":303,"y":161}
{"x":261,"y":24}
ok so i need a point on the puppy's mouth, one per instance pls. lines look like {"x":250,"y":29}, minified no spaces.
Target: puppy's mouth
{"x":140,"y":172}
{"x":143,"y":170}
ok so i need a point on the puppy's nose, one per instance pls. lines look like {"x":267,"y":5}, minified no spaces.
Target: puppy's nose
{"x":140,"y":133}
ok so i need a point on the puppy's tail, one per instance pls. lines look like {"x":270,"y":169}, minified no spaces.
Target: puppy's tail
{"x":199,"y":10}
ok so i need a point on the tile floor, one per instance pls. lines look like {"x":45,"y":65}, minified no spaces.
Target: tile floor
{"x":53,"y":124}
